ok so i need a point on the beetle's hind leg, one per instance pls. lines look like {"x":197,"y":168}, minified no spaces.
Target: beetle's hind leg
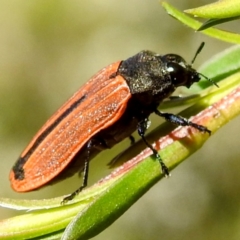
{"x":90,"y":145}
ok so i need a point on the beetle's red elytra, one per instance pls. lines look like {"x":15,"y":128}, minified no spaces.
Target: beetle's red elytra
{"x":65,"y":132}
{"x":108,"y":108}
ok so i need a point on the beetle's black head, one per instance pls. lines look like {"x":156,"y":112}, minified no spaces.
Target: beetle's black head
{"x":181,"y":73}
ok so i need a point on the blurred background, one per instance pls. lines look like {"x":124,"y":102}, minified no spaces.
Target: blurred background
{"x":48,"y":49}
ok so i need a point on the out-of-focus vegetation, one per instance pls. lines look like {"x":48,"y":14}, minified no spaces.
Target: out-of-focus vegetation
{"x":49,"y":48}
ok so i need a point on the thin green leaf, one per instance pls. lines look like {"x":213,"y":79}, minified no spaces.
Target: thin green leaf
{"x":37,"y":223}
{"x":219,"y":9}
{"x":213,"y":32}
{"x":113,"y":203}
{"x":54,"y":218}
{"x":30,"y":205}
{"x":216,"y":21}
{"x":52,"y":236}
{"x":220,"y":66}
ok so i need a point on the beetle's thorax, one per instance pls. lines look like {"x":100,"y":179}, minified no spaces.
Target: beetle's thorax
{"x":147,"y":77}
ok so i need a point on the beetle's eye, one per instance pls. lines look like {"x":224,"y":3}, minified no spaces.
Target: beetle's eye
{"x":178,"y":74}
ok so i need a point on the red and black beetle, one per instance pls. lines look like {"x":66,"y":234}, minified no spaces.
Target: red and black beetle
{"x":108,"y":108}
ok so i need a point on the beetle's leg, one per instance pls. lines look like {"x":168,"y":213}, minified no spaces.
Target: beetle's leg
{"x":142,"y":127}
{"x":178,"y":120}
{"x":90,"y":145}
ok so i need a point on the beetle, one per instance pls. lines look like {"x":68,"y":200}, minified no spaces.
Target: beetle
{"x":107,"y":109}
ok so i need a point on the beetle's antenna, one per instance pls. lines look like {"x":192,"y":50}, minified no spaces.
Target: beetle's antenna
{"x":194,"y":58}
{"x":197,"y":52}
{"x":209,"y":79}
